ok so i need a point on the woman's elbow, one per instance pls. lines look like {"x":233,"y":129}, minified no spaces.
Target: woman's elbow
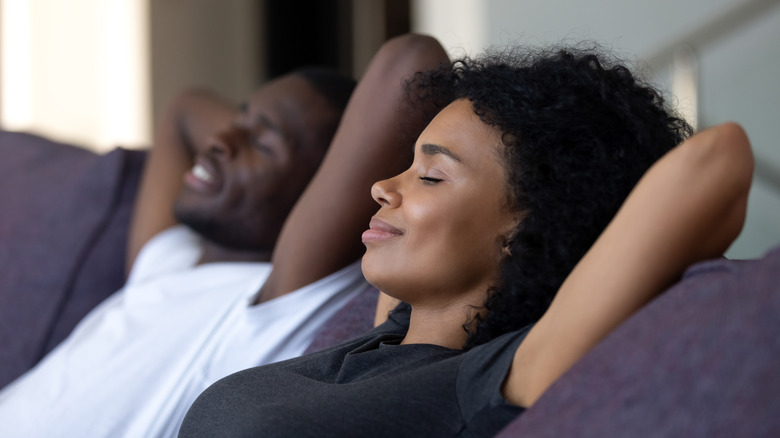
{"x":723,"y":156}
{"x":723,"y":152}
{"x":734,"y":149}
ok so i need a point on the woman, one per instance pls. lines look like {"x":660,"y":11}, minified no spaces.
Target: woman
{"x":508,"y":203}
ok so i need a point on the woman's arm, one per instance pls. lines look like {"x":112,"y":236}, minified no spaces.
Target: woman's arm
{"x":182,"y":132}
{"x":374,"y":141}
{"x":688,"y":207}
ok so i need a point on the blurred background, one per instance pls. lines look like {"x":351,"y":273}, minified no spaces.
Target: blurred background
{"x":97,"y":72}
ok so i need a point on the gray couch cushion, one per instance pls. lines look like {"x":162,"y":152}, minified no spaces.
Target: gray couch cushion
{"x":352,"y":320}
{"x":702,"y":360}
{"x":64,"y":214}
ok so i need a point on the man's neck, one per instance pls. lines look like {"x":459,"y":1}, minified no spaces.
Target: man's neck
{"x":215,"y":253}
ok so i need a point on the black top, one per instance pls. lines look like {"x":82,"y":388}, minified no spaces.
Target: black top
{"x":371,"y":386}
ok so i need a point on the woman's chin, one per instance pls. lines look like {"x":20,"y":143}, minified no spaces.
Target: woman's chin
{"x":368,"y":269}
{"x":375,"y":272}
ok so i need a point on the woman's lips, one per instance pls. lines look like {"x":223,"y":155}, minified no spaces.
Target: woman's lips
{"x":380,"y":230}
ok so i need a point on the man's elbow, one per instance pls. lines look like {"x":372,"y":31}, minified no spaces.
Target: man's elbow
{"x":411,"y":52}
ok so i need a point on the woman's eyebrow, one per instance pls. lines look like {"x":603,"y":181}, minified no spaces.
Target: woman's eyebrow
{"x":433,"y":149}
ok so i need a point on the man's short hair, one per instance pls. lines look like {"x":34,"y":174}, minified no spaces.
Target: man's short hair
{"x":335,"y":86}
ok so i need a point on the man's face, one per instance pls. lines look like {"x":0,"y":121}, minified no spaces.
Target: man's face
{"x":242,"y":187}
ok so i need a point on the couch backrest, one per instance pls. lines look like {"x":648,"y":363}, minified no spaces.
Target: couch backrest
{"x":64,"y":214}
{"x":352,"y":320}
{"x":702,"y":360}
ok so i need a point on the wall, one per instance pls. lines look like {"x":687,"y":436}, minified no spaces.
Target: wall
{"x":213,"y":43}
{"x":97,"y":72}
{"x":75,"y":70}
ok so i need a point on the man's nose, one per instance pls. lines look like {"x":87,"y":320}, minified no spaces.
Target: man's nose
{"x":228,"y":141}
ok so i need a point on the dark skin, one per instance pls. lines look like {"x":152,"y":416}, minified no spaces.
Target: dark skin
{"x":374,"y":141}
{"x":253,"y":162}
{"x":688,"y":207}
{"x":374,"y":138}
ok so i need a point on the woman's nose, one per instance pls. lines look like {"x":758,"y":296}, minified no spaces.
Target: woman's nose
{"x":386,"y":193}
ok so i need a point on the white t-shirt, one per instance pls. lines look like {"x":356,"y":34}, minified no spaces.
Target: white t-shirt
{"x":135,"y":364}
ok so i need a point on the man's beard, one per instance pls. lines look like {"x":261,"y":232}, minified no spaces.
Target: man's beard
{"x":233,"y":235}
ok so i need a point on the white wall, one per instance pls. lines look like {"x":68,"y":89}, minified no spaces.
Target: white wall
{"x":738,"y":66}
{"x":76,"y":70}
{"x":638,"y":27}
{"x":211,"y":43}
{"x":96,"y":72}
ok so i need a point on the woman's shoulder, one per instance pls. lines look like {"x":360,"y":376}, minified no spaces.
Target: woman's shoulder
{"x":490,"y":353}
{"x":482,"y":372}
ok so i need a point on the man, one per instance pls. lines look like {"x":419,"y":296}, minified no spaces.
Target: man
{"x":189,"y":312}
{"x":244,"y":169}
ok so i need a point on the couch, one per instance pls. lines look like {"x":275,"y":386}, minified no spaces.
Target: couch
{"x":64,"y":214}
{"x":703,"y":359}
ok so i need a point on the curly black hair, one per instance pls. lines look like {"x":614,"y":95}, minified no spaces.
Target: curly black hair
{"x":579,"y":130}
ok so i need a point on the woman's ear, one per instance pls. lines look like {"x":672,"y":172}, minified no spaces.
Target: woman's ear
{"x":508,"y":237}
{"x":506,"y":248}
{"x":512,"y":221}
{"x":506,"y":241}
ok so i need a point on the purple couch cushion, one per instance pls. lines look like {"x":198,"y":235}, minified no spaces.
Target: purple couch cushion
{"x":354,"y":319}
{"x":64,"y":214}
{"x":702,"y":360}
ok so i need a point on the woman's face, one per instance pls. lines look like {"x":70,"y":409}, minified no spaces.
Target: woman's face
{"x":438,"y":235}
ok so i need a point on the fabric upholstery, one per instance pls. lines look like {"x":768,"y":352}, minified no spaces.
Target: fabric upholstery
{"x":355,"y":318}
{"x":700,"y":361}
{"x":64,"y":213}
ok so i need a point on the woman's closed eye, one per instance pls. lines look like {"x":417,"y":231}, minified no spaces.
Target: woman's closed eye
{"x":430,"y":180}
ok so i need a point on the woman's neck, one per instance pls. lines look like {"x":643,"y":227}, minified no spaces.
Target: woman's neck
{"x":441,"y":326}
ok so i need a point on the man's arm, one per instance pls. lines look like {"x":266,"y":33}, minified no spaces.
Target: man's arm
{"x":688,"y":207}
{"x":374,"y":141}
{"x":183,"y":131}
